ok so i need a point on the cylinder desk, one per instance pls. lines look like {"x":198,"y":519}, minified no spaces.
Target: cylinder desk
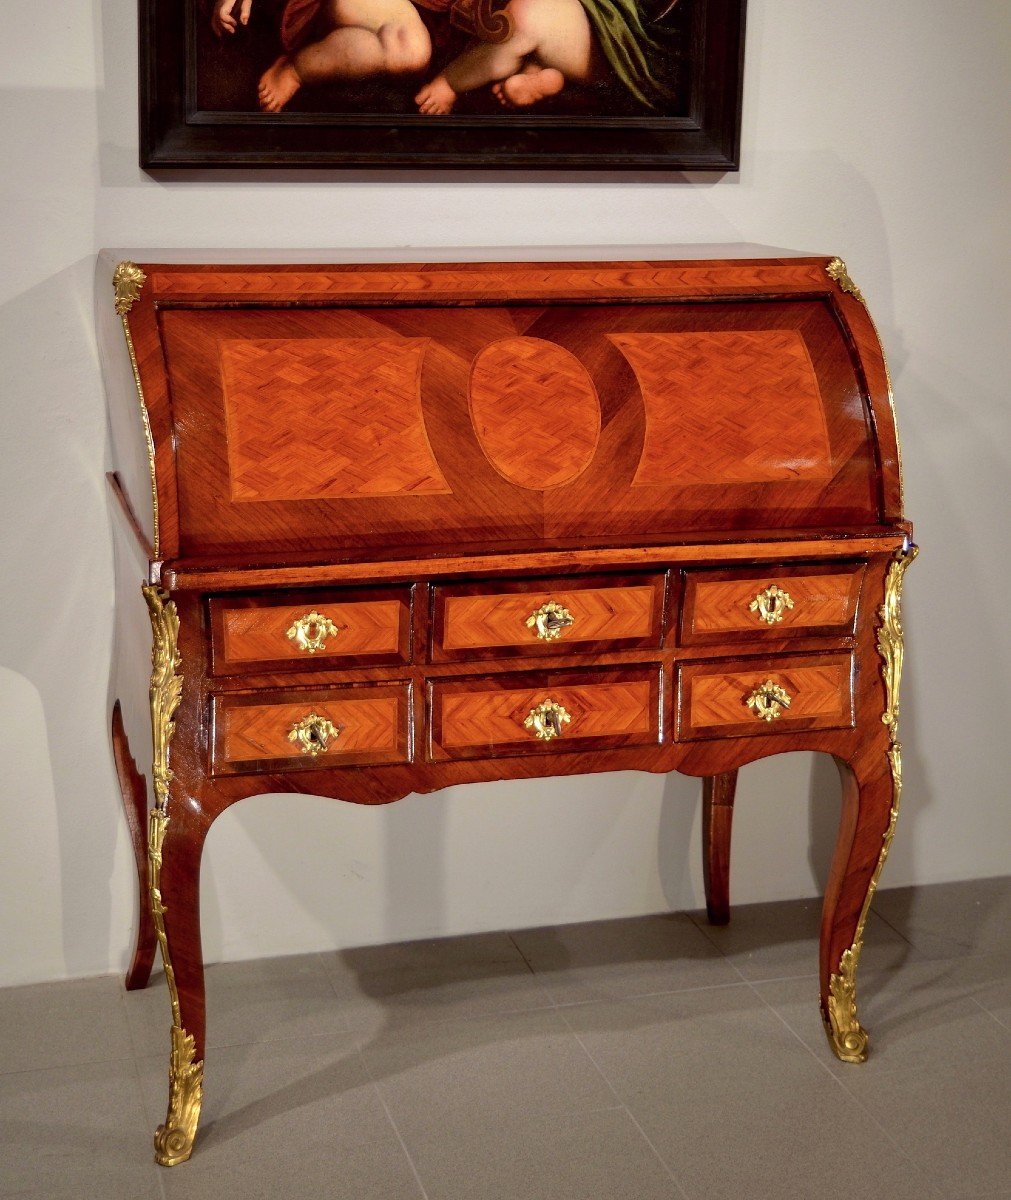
{"x":397,"y":527}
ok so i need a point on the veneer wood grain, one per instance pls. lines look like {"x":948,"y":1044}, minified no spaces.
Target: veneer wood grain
{"x":253,"y":731}
{"x":713,"y":697}
{"x":478,"y":717}
{"x":717,"y":821}
{"x":422,"y":456}
{"x":259,"y":632}
{"x":607,"y":613}
{"x":720,"y":604}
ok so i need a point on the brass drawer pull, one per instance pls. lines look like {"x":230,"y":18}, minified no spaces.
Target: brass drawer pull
{"x":546,"y":720}
{"x":313,"y":733}
{"x":310,"y":632}
{"x":771,"y":604}
{"x":769,"y":701}
{"x":549,"y":621}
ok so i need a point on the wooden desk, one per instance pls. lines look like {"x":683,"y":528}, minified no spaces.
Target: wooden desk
{"x":403,"y":527}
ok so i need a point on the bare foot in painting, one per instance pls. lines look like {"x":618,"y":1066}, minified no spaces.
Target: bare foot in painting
{"x":529,"y":86}
{"x":278,"y":84}
{"x":436,"y":97}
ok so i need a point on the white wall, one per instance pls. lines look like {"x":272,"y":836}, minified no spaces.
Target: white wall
{"x":874,"y":131}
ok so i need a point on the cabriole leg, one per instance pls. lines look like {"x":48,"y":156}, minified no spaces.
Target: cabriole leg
{"x":872,"y":789}
{"x":133,"y":788}
{"x":176,"y":833}
{"x":175,"y":849}
{"x":867,"y":825}
{"x":717,"y":819}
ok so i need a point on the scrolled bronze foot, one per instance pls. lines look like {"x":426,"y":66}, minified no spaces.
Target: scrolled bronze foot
{"x":173,"y":1141}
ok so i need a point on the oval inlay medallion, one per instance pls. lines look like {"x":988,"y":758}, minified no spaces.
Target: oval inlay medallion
{"x":535,"y":412}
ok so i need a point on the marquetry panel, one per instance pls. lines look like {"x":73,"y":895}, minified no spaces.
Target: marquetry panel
{"x":253,"y":632}
{"x":719,"y":603}
{"x":474,"y":717}
{"x":535,"y":411}
{"x":344,"y":429}
{"x":326,"y":418}
{"x":252,"y":733}
{"x":741,"y":407}
{"x":713,"y":697}
{"x":475,"y":618}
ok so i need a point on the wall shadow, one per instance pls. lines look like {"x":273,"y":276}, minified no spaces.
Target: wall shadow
{"x":57,"y":628}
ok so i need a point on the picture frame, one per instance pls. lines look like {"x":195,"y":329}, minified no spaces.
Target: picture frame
{"x":201,"y":87}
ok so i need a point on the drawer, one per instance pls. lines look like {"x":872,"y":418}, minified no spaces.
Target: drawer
{"x":310,"y":630}
{"x":792,"y":602}
{"x":761,"y":696}
{"x":311,"y":729}
{"x":547,"y":616}
{"x":545,"y":712}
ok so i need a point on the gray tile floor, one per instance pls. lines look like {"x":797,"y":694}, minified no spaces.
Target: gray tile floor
{"x":640,"y":1059}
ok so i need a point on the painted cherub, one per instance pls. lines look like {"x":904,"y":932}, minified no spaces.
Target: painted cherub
{"x":330,"y":40}
{"x":550,"y":44}
{"x":553,"y":43}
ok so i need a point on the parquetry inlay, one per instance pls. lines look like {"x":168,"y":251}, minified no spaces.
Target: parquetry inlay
{"x":728,"y":407}
{"x":535,"y":411}
{"x":315,"y":418}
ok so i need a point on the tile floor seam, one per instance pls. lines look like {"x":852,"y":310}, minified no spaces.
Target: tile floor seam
{"x":354,"y":1037}
{"x":660,"y":1158}
{"x":703,"y":927}
{"x":161,"y":1183}
{"x":846,"y":1090}
{"x":812,"y":975}
{"x":1002,"y":1024}
{"x":884,"y":1128}
{"x":957,"y":953}
{"x":460,"y":1018}
{"x":704,"y":930}
{"x":519,"y":951}
{"x":328,"y":975}
{"x":278,"y":1041}
{"x":796,"y":1036}
{"x":134,"y":1049}
{"x":623,"y":1106}
{"x":898,"y":932}
{"x":90,"y":1062}
{"x":549,"y":1004}
{"x":704,"y":987}
{"x":138,"y":1053}
{"x":396,"y":1131}
{"x":593,"y":1062}
{"x":139,"y":1081}
{"x":152,"y":1122}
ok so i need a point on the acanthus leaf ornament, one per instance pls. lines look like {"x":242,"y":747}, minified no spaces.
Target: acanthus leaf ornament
{"x":836,"y":271}
{"x":127,"y":280}
{"x":173,"y":1140}
{"x":847,"y":1036}
{"x":166,"y":684}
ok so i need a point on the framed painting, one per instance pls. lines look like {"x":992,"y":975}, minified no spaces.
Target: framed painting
{"x":550,"y":84}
